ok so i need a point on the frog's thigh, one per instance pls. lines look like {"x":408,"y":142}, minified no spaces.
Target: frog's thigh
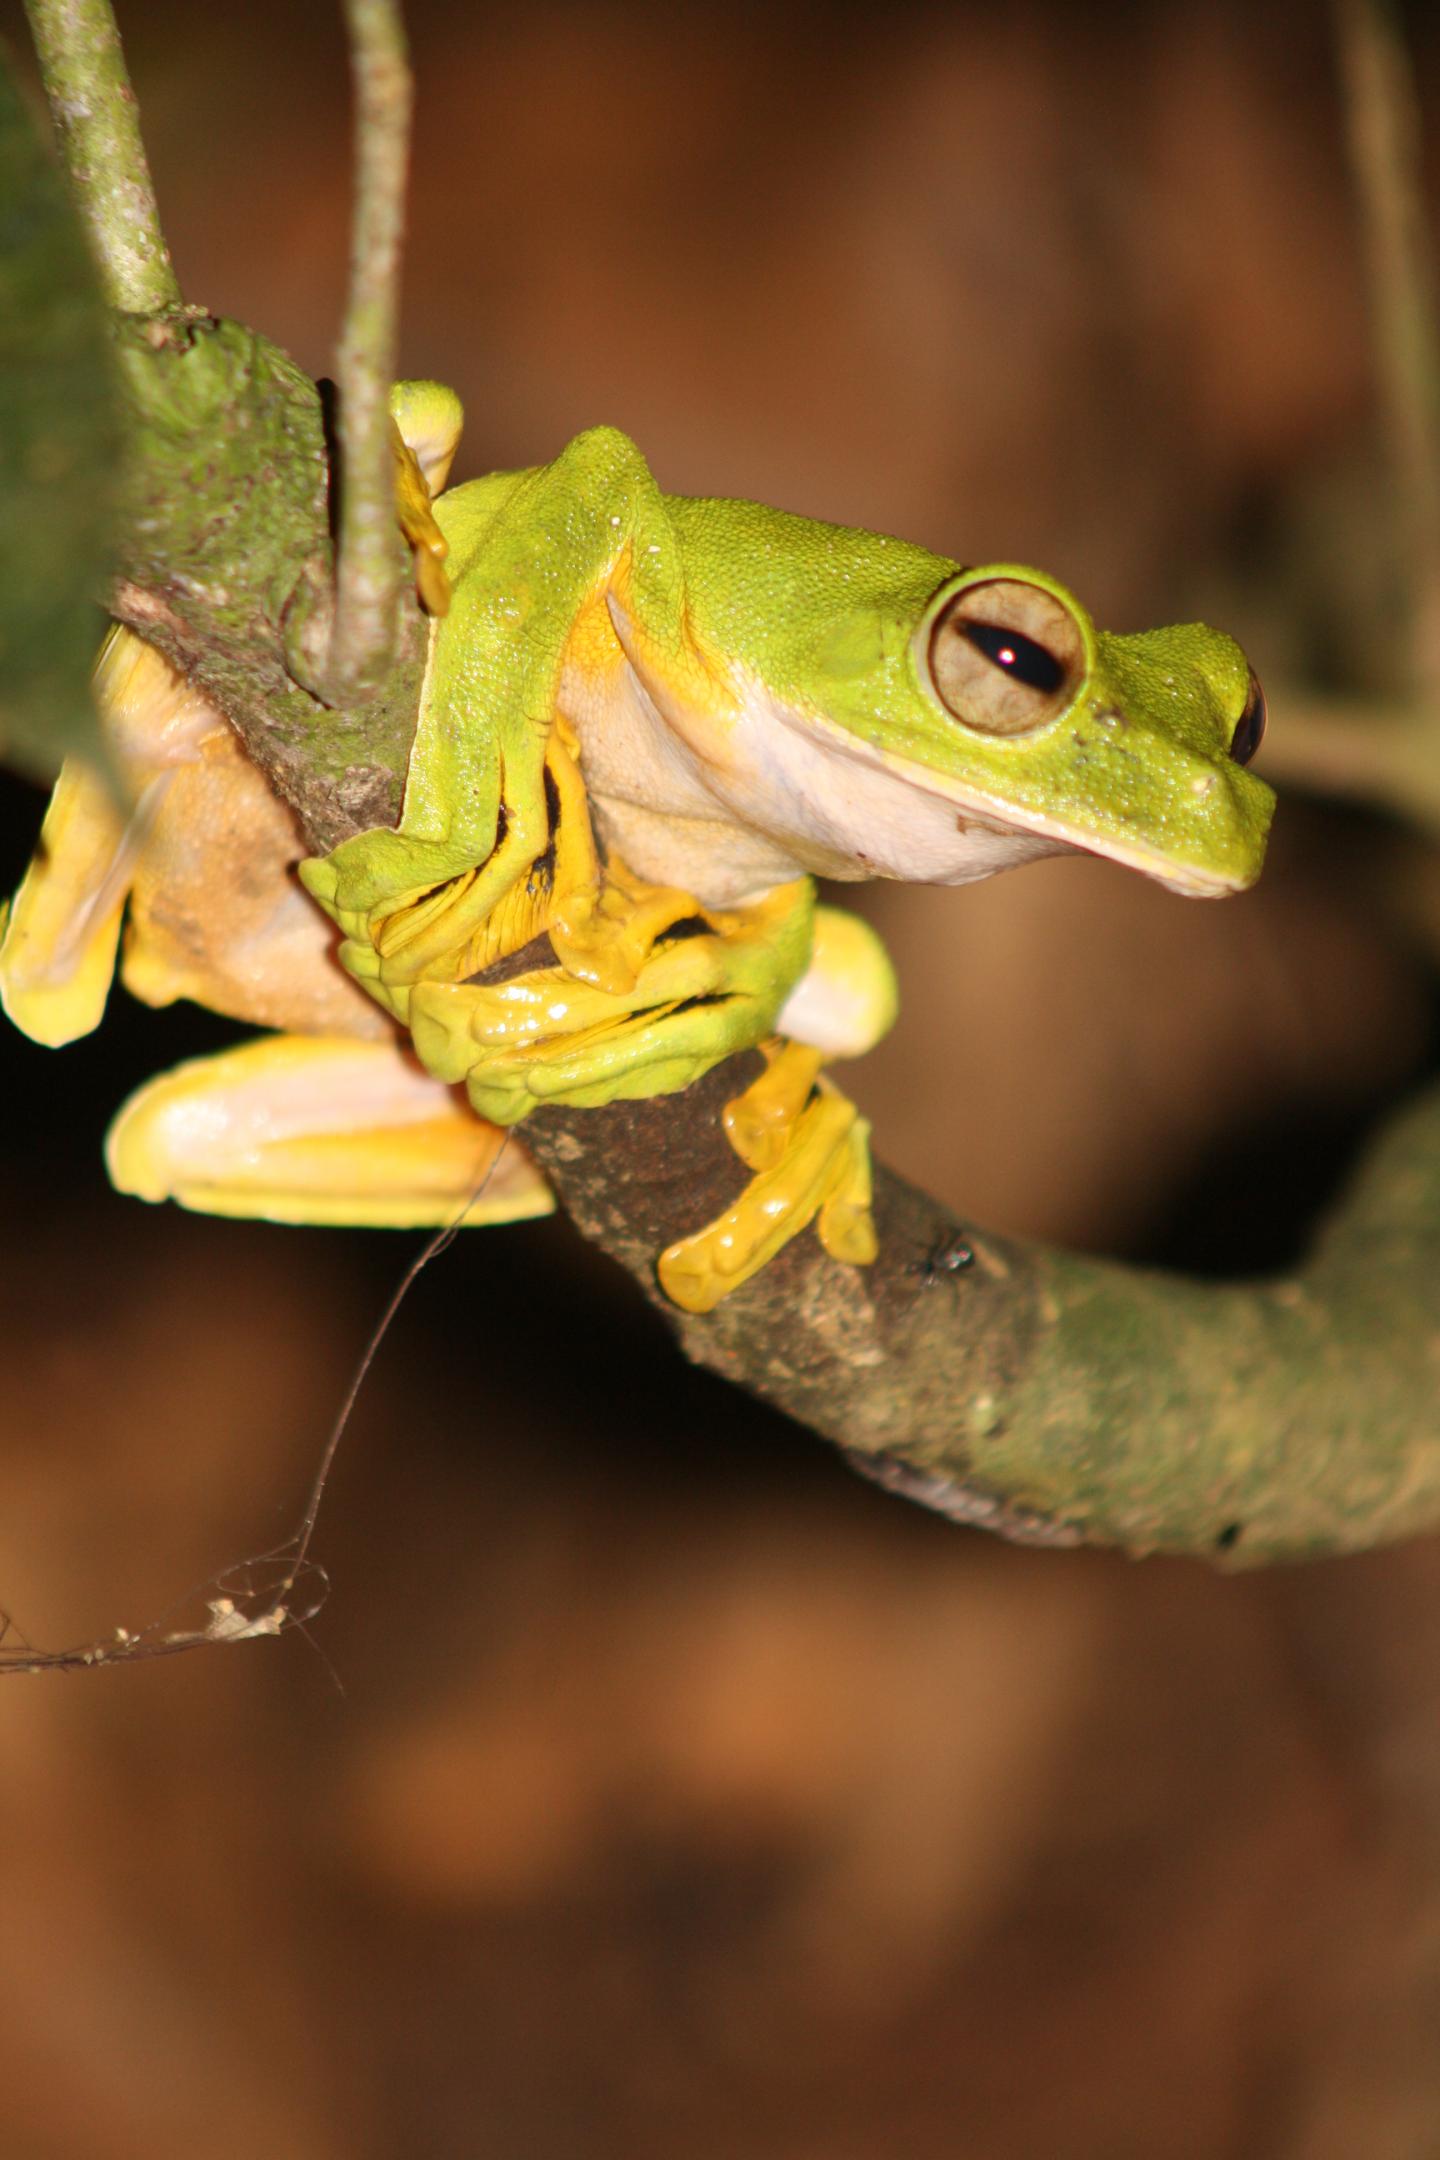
{"x":317,"y":1129}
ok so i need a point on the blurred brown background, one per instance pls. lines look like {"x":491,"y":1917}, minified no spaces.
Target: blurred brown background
{"x":686,"y":1796}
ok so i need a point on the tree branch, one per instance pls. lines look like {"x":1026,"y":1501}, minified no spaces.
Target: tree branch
{"x":371,"y":558}
{"x":98,"y":124}
{"x":1059,"y":1398}
{"x":1383,"y":116}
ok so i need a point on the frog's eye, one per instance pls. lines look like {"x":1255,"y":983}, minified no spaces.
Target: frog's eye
{"x":1250,"y":727}
{"x":1006,"y":656}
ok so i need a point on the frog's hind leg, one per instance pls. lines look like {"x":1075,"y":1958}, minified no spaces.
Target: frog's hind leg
{"x":60,"y":934}
{"x":809,"y":1148}
{"x":804,"y":1140}
{"x":319,"y":1129}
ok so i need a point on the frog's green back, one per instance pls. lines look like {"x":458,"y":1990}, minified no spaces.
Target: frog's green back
{"x":822,"y":614}
{"x":826,"y":627}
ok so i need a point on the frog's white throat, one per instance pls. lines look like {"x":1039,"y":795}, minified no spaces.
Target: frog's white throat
{"x":730,"y":794}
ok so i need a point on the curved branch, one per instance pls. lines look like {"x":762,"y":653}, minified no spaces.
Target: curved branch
{"x":1059,"y":1398}
{"x":98,"y":123}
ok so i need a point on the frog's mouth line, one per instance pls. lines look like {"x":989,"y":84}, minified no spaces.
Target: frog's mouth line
{"x":1190,"y":882}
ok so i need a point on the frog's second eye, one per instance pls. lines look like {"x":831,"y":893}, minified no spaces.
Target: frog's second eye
{"x":1250,"y":727}
{"x":1006,"y":656}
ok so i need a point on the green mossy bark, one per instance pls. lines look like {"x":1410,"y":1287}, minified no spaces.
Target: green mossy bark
{"x":226,"y":562}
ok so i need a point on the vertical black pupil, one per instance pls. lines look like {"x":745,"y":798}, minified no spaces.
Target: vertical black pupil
{"x":1017,"y":654}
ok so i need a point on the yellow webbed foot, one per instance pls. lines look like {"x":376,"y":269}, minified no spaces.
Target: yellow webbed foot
{"x":58,"y":938}
{"x":425,"y":423}
{"x":806,"y":1143}
{"x":761,"y":1123}
{"x":416,"y":520}
{"x":810,"y":1149}
{"x":317,"y":1129}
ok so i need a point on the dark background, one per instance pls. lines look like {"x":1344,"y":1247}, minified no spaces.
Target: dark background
{"x":685,"y":1795}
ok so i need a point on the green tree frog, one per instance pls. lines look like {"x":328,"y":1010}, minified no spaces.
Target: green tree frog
{"x":648,"y":722}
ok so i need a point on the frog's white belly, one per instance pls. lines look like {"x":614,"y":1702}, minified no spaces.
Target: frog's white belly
{"x":727,"y":803}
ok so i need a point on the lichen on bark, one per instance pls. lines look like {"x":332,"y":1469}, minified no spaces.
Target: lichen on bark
{"x":225,"y":551}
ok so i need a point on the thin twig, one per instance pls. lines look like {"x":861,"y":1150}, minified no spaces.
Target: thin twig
{"x":369,"y":565}
{"x":98,"y":123}
{"x":1384,"y":125}
{"x":1367,"y":749}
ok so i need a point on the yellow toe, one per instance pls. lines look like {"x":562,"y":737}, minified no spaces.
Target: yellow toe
{"x":818,"y":1168}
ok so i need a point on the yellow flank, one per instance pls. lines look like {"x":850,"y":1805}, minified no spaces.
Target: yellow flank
{"x":592,"y":646}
